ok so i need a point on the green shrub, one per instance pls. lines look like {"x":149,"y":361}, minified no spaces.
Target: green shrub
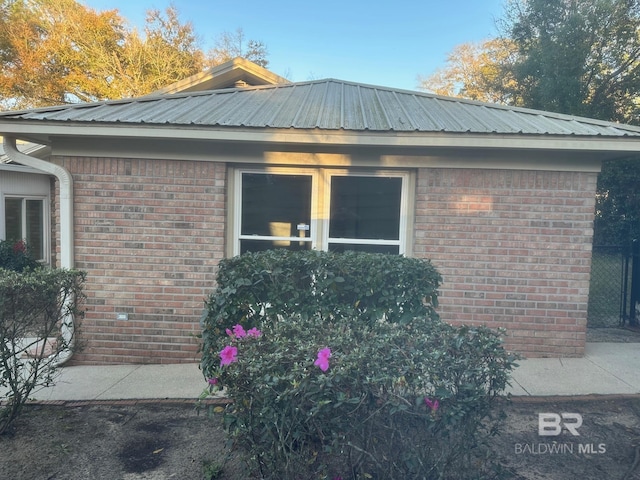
{"x":33,"y":306}
{"x":402,"y":395}
{"x":397,"y":401}
{"x":16,"y":256}
{"x":255,"y":286}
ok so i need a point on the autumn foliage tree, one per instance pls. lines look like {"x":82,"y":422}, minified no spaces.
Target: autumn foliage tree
{"x":47,"y":51}
{"x":473,"y":70}
{"x":61,"y":51}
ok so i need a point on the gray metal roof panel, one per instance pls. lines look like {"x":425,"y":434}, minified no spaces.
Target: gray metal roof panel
{"x":501,"y":122}
{"x":327,"y":105}
{"x":286,"y":106}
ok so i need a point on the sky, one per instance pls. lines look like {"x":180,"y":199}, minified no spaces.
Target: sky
{"x":385,"y":43}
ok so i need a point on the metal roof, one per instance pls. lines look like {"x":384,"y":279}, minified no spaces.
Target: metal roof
{"x":325,"y":105}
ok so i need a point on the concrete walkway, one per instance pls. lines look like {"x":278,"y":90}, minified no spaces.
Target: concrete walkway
{"x":606,"y":369}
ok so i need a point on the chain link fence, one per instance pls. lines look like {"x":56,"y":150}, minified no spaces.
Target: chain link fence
{"x":610,"y":286}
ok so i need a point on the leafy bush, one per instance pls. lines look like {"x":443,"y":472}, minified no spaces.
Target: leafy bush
{"x":16,"y":256}
{"x":351,"y":388}
{"x":255,"y":286}
{"x":33,"y":307}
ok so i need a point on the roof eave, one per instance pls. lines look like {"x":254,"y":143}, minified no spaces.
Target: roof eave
{"x":36,"y":131}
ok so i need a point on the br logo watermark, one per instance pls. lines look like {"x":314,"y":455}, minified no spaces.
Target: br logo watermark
{"x":550,"y":424}
{"x":555,"y":425}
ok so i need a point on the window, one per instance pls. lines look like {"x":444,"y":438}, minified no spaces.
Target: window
{"x":25,"y":219}
{"x":324,"y":209}
{"x":365,"y":213}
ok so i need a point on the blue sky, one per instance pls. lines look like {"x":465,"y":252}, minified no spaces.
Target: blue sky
{"x":386,"y":43}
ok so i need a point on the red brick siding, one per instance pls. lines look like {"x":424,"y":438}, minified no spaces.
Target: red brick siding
{"x":149,"y":234}
{"x":514,"y":250}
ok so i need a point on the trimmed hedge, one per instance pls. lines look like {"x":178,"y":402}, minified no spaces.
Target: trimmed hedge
{"x":256,"y":286}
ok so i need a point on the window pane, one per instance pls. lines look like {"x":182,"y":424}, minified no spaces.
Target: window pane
{"x":343,"y":247}
{"x":365,"y":208}
{"x":35,"y":227}
{"x":260,"y":245}
{"x":13,"y":219}
{"x":276,"y":205}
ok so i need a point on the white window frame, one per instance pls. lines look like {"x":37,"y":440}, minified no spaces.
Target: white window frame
{"x":320,"y":205}
{"x":404,"y":208}
{"x":46,"y":244}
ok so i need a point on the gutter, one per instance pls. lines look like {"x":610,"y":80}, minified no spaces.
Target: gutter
{"x":66,"y":228}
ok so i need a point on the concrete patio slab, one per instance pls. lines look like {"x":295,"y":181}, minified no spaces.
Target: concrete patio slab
{"x":606,"y":369}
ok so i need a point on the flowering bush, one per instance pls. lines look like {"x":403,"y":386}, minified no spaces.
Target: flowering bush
{"x":338,"y":367}
{"x":385,"y":400}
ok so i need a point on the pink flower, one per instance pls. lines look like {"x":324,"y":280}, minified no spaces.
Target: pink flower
{"x":323,"y":359}
{"x":239,"y":332}
{"x":432,"y":404}
{"x":254,"y":332}
{"x":212,"y":381}
{"x":228,"y":355}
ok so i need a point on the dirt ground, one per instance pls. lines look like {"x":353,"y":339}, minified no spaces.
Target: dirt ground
{"x":173,"y":441}
{"x":159,"y":441}
{"x":150,"y":441}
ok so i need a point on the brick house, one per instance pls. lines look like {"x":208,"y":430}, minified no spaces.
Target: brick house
{"x":150,"y":193}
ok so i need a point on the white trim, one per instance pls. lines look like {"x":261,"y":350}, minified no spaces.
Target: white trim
{"x":68,"y":327}
{"x":36,"y":131}
{"x":10,"y":167}
{"x":404,"y":207}
{"x":66,"y":197}
{"x":320,"y":205}
{"x":46,"y":221}
{"x":237,"y":206}
{"x":245,"y":154}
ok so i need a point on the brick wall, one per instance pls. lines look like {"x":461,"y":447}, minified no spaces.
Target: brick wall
{"x":149,"y":234}
{"x":514,"y":250}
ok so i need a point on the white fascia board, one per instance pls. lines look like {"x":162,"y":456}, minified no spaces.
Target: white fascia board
{"x":629,"y":144}
{"x":12,"y":167}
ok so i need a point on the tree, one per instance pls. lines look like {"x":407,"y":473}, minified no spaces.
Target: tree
{"x":47,"y":51}
{"x":579,"y":57}
{"x":618,"y":203}
{"x":473,"y":71}
{"x":582,"y":57}
{"x":230,"y":45}
{"x":60,"y":51}
{"x":168,"y":52}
